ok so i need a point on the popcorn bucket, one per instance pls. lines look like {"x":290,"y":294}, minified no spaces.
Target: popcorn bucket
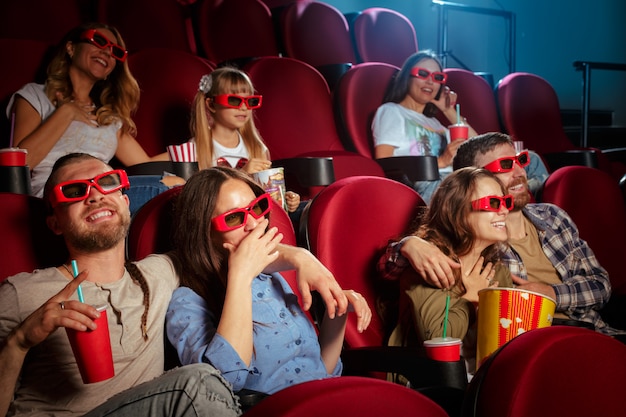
{"x":185,"y":152}
{"x":504,"y":313}
{"x":273,"y":182}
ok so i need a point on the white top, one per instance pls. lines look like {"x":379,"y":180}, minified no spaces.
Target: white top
{"x":50,"y":383}
{"x":98,"y":141}
{"x":409,"y":132}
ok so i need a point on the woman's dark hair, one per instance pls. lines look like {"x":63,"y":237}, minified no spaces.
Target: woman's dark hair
{"x":201,"y":263}
{"x":399,"y":85}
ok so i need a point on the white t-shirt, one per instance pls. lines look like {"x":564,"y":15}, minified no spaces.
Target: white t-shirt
{"x":232,"y":155}
{"x":98,"y":141}
{"x":50,"y":383}
{"x":409,"y":132}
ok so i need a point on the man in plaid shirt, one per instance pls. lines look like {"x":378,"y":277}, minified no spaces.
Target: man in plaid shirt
{"x":545,"y":253}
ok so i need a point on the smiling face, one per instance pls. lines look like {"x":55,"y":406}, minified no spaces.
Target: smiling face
{"x":97,"y":63}
{"x":423,"y":91}
{"x":515,"y":180}
{"x":97,"y":223}
{"x":489,"y":226}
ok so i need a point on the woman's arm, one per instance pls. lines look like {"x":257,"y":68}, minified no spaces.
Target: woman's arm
{"x":311,"y":275}
{"x":38,"y":137}
{"x":129,"y":151}
{"x":383,"y":151}
{"x":332,"y":331}
{"x":245,"y":262}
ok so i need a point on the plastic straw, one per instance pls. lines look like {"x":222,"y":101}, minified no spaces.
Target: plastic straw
{"x":12,"y":130}
{"x":79,"y":290}
{"x":458,"y":114}
{"x":445,"y":318}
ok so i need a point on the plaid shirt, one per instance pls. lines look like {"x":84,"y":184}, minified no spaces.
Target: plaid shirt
{"x":586,"y":287}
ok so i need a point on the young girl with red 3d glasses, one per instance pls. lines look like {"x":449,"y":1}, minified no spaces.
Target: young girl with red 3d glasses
{"x":222,"y":123}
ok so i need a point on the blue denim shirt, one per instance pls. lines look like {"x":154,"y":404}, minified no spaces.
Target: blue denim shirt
{"x":286,"y":347}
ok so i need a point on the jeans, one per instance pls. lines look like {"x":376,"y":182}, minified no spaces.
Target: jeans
{"x":142,"y":189}
{"x":426,"y":189}
{"x":188,"y":391}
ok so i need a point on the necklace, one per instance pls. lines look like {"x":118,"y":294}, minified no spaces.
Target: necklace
{"x":67,"y":268}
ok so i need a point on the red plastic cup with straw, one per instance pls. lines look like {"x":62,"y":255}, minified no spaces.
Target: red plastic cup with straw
{"x":458,"y":130}
{"x":92,"y":348}
{"x":444,"y":348}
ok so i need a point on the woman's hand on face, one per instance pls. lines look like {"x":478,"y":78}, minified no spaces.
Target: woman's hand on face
{"x":477,"y":278}
{"x":255,"y":251}
{"x":447,"y":99}
{"x":79,"y":112}
{"x":358,"y":304}
{"x":255,"y":165}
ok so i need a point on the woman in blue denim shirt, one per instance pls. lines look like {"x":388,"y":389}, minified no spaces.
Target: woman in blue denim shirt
{"x":232,"y":311}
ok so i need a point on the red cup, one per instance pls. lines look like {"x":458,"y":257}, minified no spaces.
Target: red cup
{"x":92,"y":350}
{"x":458,"y":132}
{"x":13,"y":157}
{"x":446,"y":349}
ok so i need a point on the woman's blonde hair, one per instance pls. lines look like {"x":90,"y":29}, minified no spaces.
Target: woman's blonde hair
{"x":225,"y":80}
{"x":116,"y":97}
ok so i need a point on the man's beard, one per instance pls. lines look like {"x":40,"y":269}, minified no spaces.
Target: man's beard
{"x":521,"y":199}
{"x":105,"y":237}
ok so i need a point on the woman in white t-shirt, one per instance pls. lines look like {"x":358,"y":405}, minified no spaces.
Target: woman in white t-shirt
{"x":84,"y":106}
{"x":406,"y":125}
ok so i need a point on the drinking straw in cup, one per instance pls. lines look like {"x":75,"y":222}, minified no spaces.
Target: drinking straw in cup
{"x":458,"y":114}
{"x":445,"y":317}
{"x":79,"y":290}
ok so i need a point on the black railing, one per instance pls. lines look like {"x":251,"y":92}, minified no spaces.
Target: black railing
{"x":586,"y":67}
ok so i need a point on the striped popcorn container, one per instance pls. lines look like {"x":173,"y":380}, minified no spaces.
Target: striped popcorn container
{"x":185,"y":152}
{"x":504,"y":313}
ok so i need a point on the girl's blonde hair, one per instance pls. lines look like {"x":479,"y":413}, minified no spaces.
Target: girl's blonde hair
{"x":115,"y":97}
{"x":225,"y":80}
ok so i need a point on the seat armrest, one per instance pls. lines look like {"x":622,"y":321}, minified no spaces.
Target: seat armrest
{"x":308,"y":171}
{"x":421,"y":371}
{"x":413,"y":168}
{"x":584,"y":157}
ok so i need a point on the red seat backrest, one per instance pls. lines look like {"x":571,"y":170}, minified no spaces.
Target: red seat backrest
{"x":594,"y":201}
{"x":27,"y":243}
{"x":358,"y":95}
{"x":168,"y":80}
{"x":476,"y":99}
{"x":348,"y":226}
{"x":42,"y":20}
{"x":230,"y":30}
{"x":150,"y":23}
{"x":316,"y":33}
{"x":346,"y":396}
{"x":533,"y":373}
{"x":296,"y":117}
{"x":530,"y":112}
{"x":384,"y":35}
{"x":24,"y":68}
